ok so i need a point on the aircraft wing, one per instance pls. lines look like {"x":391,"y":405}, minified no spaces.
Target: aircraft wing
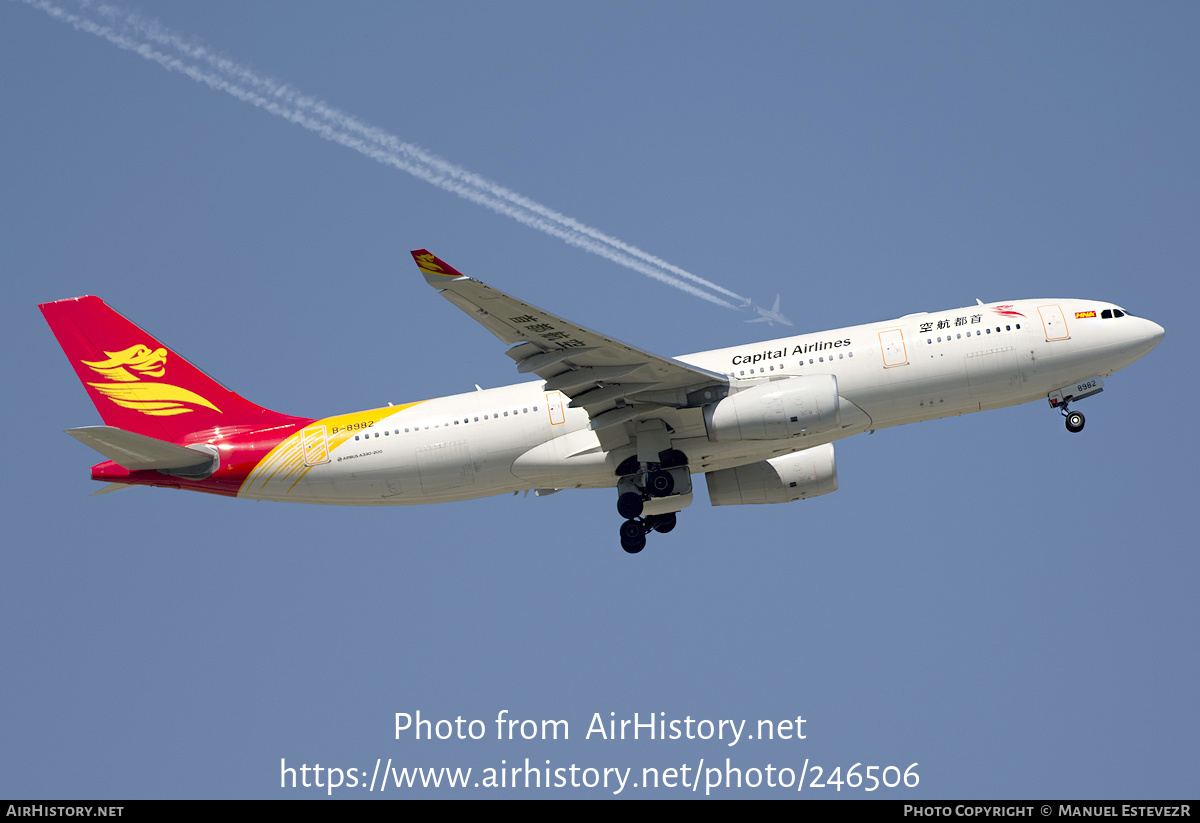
{"x":613,"y":381}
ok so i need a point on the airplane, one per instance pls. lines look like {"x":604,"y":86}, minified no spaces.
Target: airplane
{"x":758,"y":421}
{"x":769,"y":316}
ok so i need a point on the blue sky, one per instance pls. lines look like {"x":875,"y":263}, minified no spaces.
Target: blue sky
{"x":1010,"y":606}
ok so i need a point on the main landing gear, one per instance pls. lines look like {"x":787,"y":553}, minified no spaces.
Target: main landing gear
{"x":650,"y":495}
{"x":633,"y":532}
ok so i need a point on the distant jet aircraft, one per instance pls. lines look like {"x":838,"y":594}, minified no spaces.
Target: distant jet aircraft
{"x":758,"y":420}
{"x":769,"y":316}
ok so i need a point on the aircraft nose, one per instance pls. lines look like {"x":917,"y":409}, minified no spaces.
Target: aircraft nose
{"x":1155,"y":333}
{"x":1149,"y":335}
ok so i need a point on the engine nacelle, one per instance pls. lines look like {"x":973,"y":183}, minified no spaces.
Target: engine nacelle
{"x":778,"y":480}
{"x":776,"y":410}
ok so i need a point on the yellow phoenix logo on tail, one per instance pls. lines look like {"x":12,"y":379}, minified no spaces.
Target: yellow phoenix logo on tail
{"x":139,"y":358}
{"x":130,"y":392}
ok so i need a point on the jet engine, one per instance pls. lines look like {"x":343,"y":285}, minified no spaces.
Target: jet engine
{"x":776,"y":410}
{"x":779,"y":480}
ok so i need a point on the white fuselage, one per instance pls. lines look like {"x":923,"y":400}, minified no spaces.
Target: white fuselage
{"x":918,"y":367}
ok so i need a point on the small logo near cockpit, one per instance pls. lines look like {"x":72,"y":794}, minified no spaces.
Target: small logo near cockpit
{"x":1007,"y":310}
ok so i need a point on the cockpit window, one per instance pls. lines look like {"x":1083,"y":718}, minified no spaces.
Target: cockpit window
{"x":1106,"y":314}
{"x":1118,"y":313}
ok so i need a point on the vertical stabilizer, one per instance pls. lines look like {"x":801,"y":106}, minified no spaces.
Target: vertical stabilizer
{"x":138,"y":384}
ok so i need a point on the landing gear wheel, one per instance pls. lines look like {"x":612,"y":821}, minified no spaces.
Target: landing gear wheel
{"x":629,"y":505}
{"x":633,"y":536}
{"x":1074,"y":422}
{"x":661,"y":523}
{"x":660,"y":483}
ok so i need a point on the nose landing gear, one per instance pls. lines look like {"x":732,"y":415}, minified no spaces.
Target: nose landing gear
{"x":1060,"y":398}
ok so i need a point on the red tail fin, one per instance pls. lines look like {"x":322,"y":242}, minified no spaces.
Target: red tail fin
{"x":139,"y":385}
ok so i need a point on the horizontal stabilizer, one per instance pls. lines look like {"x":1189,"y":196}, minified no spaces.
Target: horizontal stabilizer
{"x":137,"y":451}
{"x":112,"y":487}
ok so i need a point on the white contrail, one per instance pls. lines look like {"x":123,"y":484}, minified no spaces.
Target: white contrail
{"x":339,"y":127}
{"x":281,"y":92}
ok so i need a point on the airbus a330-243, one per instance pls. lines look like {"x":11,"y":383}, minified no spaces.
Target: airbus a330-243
{"x":758,"y":421}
